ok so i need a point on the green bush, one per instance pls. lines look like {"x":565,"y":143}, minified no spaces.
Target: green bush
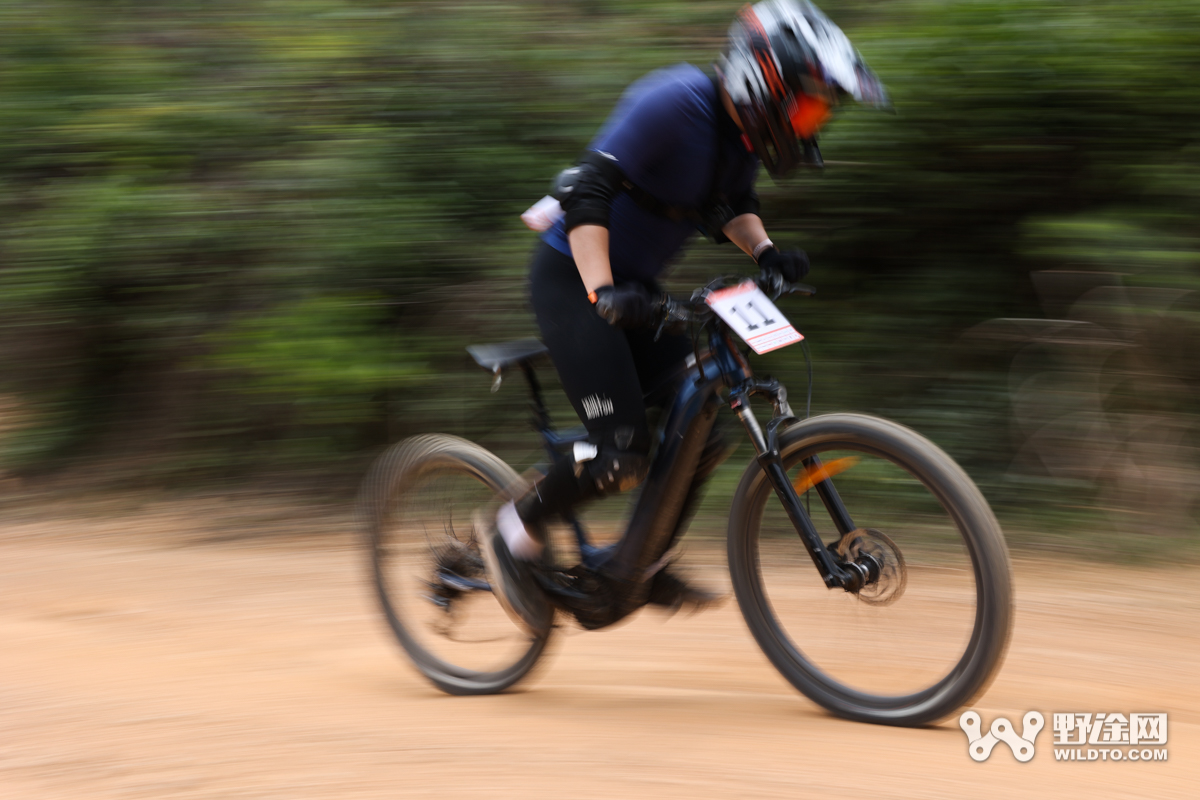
{"x":256,"y":228}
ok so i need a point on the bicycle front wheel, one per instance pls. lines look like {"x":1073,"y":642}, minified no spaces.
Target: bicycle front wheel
{"x":930,"y":634}
{"x":418,"y":505}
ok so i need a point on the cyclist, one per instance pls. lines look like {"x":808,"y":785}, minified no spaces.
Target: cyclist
{"x":679,"y":153}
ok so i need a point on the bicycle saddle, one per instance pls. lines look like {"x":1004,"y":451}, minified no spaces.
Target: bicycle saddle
{"x":494,"y":357}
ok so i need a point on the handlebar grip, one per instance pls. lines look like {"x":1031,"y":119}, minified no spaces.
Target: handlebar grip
{"x":774,"y":286}
{"x":673,"y":310}
{"x":673,"y":316}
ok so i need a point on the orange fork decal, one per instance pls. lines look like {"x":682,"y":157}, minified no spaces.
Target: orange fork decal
{"x":811,"y":476}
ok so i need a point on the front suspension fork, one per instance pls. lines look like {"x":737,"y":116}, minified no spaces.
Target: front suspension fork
{"x":834,"y":572}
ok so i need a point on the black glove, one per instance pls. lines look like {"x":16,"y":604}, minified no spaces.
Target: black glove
{"x":674,"y":317}
{"x":791,"y":264}
{"x":629,"y":305}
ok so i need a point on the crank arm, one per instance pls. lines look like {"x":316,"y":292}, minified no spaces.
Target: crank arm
{"x":452,"y":580}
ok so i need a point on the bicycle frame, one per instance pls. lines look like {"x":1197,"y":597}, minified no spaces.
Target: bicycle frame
{"x":447,"y":546}
{"x":689,"y":420}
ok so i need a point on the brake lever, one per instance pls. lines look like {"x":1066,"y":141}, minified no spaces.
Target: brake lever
{"x":774,"y":286}
{"x":673,"y":314}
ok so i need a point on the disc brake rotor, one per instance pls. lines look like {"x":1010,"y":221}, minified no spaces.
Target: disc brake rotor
{"x":861,"y":544}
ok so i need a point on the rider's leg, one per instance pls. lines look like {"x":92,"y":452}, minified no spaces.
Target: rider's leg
{"x":600,"y":377}
{"x":603,"y":371}
{"x":596,"y":366}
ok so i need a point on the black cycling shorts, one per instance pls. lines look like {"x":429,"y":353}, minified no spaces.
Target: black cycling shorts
{"x":609,"y":374}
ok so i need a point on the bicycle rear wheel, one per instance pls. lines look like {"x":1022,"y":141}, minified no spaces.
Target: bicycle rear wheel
{"x":417,"y":504}
{"x":924,"y":640}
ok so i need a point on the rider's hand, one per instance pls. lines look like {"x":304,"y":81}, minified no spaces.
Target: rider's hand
{"x":673,"y":318}
{"x":629,"y":305}
{"x":791,"y":264}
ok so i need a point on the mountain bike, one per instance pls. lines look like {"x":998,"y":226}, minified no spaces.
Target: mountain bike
{"x":884,"y":597}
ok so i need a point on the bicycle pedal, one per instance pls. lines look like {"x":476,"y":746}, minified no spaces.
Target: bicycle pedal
{"x":559,"y":590}
{"x":588,"y":596}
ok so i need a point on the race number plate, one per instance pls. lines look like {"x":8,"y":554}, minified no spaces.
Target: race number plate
{"x":753,"y":317}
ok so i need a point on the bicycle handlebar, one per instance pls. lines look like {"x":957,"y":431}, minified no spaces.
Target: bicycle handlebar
{"x":774,"y":286}
{"x":696,"y":309}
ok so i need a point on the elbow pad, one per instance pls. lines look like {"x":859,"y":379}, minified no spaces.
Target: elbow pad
{"x":719,"y":214}
{"x":586,"y":191}
{"x":746,"y":203}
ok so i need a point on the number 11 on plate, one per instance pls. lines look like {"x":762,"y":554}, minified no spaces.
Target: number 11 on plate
{"x":753,"y":317}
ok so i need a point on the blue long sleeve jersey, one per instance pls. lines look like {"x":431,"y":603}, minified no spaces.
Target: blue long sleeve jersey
{"x":664,"y":134}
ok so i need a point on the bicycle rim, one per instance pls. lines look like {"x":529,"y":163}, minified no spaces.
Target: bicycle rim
{"x":430,"y":578}
{"x":921,"y":642}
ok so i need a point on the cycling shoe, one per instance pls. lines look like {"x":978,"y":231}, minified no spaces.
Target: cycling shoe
{"x":670,"y":591}
{"x":512,"y":580}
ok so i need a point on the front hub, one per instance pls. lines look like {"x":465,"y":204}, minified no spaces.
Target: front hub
{"x":876,"y":560}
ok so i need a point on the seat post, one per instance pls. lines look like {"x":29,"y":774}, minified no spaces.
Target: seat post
{"x":541,"y":416}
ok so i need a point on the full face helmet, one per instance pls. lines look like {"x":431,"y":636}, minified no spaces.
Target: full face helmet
{"x":786,"y":65}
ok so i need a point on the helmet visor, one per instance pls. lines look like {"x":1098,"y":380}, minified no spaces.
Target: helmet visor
{"x":807,"y":114}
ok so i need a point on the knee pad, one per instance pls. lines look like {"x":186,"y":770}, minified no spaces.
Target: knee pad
{"x":611,"y":470}
{"x":592,"y":472}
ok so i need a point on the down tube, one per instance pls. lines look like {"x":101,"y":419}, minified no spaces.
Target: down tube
{"x":657,"y":511}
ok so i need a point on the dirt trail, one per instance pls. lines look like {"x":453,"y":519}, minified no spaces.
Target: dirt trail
{"x":148,"y":653}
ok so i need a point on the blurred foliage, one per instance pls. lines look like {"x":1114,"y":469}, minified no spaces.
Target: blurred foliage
{"x":257,"y":234}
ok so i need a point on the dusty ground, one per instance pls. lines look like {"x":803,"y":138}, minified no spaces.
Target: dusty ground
{"x":155,"y":651}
